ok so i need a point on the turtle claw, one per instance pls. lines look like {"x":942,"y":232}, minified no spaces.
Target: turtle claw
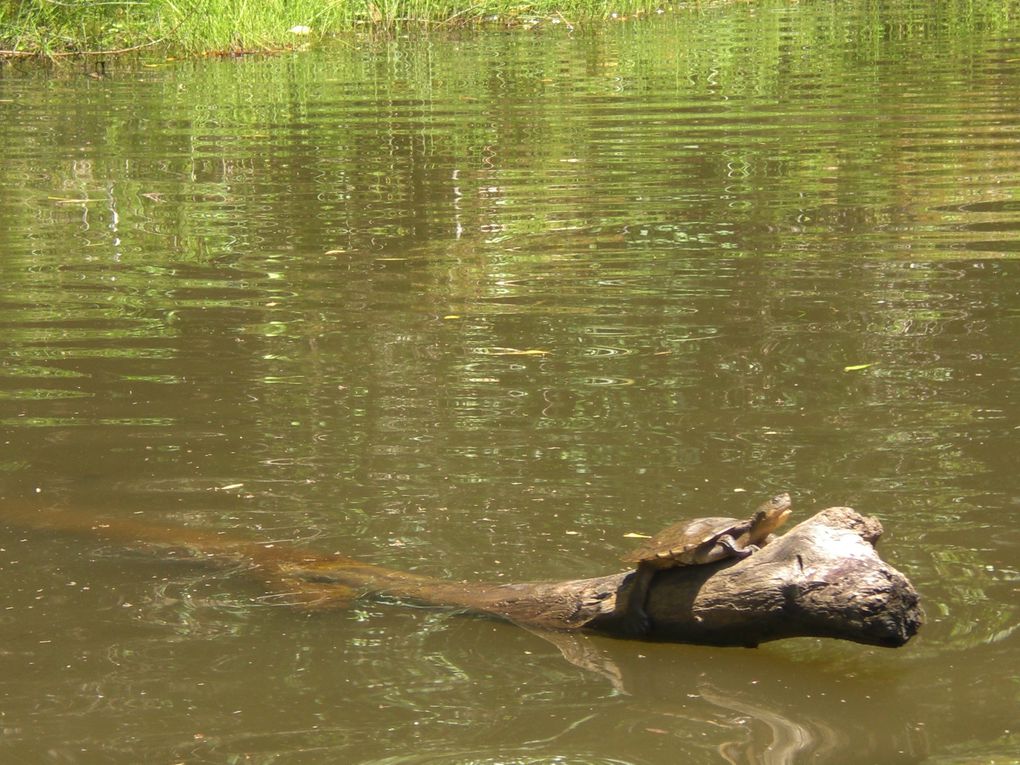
{"x":743,"y":552}
{"x":730,"y":545}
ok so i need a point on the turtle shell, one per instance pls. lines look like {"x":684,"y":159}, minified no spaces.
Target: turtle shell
{"x":678,"y":543}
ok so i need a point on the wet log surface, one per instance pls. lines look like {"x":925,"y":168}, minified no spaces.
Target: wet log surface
{"x":821,"y":579}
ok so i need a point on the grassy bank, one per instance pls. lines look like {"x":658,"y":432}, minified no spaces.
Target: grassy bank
{"x":46,"y":28}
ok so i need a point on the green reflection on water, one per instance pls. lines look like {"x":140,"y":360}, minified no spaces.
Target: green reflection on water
{"x":476,"y":306}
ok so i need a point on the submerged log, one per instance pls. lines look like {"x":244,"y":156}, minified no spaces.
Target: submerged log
{"x":821,"y":579}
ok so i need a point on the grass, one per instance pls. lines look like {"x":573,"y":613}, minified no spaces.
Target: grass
{"x":54,"y":28}
{"x":51,"y":28}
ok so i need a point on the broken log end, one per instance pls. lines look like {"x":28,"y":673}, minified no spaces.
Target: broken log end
{"x":821,"y":579}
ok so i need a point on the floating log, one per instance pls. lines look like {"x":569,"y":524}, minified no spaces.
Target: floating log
{"x":821,"y":579}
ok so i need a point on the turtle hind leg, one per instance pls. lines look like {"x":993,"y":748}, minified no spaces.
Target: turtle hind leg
{"x":635,"y":622}
{"x":634,"y":618}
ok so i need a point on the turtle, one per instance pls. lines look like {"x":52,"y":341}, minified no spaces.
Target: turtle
{"x":697,"y":542}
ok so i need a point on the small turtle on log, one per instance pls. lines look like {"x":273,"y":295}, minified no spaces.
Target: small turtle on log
{"x":697,"y":542}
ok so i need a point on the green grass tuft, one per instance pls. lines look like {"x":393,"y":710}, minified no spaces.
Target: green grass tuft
{"x":61,"y":27}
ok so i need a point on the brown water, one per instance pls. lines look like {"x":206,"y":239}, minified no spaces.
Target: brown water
{"x":281,"y":297}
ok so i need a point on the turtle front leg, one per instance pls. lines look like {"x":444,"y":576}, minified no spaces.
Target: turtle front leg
{"x":733,"y":547}
{"x":635,"y":618}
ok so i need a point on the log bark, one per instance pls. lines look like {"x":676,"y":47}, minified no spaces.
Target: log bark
{"x":821,"y":579}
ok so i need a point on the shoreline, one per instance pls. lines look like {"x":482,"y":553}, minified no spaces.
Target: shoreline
{"x":43,"y":32}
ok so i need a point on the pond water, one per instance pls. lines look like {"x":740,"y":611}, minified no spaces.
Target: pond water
{"x":478,"y":305}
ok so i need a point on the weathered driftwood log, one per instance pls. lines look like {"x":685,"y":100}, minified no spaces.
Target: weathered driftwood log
{"x":821,"y":579}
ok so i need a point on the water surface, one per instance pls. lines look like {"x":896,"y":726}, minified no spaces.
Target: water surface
{"x":478,"y":306}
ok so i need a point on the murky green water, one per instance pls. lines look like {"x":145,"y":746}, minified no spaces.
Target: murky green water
{"x":282,"y":297}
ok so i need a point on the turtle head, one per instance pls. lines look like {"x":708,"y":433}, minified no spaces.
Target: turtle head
{"x":770,"y":516}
